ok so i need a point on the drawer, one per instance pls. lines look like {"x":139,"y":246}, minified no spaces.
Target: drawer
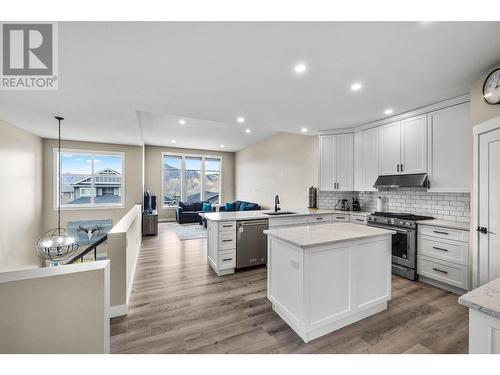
{"x":320,"y":219}
{"x":341,"y":217}
{"x":358,"y":219}
{"x":288,"y":221}
{"x":227,"y":226}
{"x":226,"y":259}
{"x":446,"y":233}
{"x":227,"y":240}
{"x":451,"y":251}
{"x":448,"y":273}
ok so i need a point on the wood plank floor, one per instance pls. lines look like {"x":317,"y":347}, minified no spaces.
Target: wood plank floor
{"x":179,"y":305}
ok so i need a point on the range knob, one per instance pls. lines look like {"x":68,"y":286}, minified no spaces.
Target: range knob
{"x":408,"y":224}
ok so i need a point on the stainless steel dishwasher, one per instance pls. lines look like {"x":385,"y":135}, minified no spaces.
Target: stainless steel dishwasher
{"x":251,"y":243}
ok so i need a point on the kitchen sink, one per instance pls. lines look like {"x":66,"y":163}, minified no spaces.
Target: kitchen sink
{"x":279,"y":213}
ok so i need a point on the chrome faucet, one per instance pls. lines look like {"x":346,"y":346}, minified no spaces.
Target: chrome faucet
{"x":277,"y":203}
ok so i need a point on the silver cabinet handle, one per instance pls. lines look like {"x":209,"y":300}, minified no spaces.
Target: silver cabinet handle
{"x":439,"y":232}
{"x":440,"y":271}
{"x":439,"y":248}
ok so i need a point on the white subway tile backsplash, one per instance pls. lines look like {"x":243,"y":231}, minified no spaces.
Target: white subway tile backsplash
{"x":444,"y":206}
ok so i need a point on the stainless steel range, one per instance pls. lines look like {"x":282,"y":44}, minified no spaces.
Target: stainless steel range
{"x":404,"y":242}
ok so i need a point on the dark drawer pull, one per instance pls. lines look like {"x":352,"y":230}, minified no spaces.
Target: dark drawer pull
{"x":359,"y":219}
{"x":439,"y":232}
{"x":439,"y":248}
{"x":319,"y":218}
{"x":228,"y":226}
{"x":340,"y":217}
{"x":440,"y":271}
{"x":226,"y":259}
{"x":227,"y":240}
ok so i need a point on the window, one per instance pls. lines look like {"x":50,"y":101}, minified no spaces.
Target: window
{"x":172,"y":185}
{"x":190,"y":178}
{"x":211,"y":189}
{"x":89,"y":179}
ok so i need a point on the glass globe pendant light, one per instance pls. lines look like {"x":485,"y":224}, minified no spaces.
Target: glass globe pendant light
{"x":59,"y":243}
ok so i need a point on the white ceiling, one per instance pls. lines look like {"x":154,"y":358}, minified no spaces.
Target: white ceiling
{"x":131,"y":82}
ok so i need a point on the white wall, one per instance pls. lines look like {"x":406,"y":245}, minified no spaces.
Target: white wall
{"x":20,"y":197}
{"x":285,"y":164}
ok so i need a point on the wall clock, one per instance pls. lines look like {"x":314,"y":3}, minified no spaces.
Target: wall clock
{"x":491,"y":87}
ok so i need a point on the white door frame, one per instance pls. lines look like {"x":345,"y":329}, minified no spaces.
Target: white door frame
{"x":477,"y":130}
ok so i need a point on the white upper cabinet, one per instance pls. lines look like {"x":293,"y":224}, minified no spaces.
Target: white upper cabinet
{"x":370,"y":158}
{"x":450,"y":149}
{"x":389,"y":148}
{"x":365,"y":159}
{"x":336,"y":162}
{"x":403,"y":146}
{"x":414,"y":145}
{"x":345,"y":162}
{"x":327,"y":162}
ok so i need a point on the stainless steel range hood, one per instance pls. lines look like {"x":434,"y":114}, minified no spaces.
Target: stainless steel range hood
{"x":401,"y":180}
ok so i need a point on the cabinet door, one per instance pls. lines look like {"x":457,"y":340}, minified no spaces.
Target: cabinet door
{"x":450,"y":162}
{"x":327,"y":162}
{"x":389,"y":148}
{"x":345,"y":162}
{"x":414,"y":145}
{"x":370,"y":158}
{"x":359,"y":169}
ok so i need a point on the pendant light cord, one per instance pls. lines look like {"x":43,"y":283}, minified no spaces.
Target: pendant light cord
{"x":59,"y":180}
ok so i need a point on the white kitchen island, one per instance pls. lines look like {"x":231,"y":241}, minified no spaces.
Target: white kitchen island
{"x":324,"y":277}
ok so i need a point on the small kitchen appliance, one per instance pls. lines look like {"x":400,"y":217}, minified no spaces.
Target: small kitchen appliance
{"x":313,"y":197}
{"x":355,"y":204}
{"x":345,"y":205}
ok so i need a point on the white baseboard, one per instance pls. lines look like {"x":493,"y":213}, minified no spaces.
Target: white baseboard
{"x":439,"y":284}
{"x":118,"y":310}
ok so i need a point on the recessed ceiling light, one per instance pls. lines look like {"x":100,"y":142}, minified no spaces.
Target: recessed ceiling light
{"x":222,"y":146}
{"x":241,"y":120}
{"x":248,"y":131}
{"x":356,"y":86}
{"x":300,"y":68}
{"x":182,"y":122}
{"x":388,"y":111}
{"x":174,"y":141}
{"x":303,"y":130}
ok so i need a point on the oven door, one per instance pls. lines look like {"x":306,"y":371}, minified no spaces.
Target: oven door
{"x":403,"y":245}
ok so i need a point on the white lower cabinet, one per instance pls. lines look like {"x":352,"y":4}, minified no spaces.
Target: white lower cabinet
{"x":221,"y":238}
{"x":341,"y":217}
{"x":321,"y":289}
{"x":443,"y":256}
{"x":484,"y":333}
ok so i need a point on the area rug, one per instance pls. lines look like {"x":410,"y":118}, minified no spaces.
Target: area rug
{"x":190,"y":231}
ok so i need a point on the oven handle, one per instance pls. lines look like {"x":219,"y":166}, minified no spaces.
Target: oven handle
{"x":396,"y":229}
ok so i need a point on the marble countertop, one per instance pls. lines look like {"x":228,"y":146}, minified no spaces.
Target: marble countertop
{"x":485,"y":299}
{"x":445,"y":224}
{"x":326,"y":234}
{"x":261,"y":214}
